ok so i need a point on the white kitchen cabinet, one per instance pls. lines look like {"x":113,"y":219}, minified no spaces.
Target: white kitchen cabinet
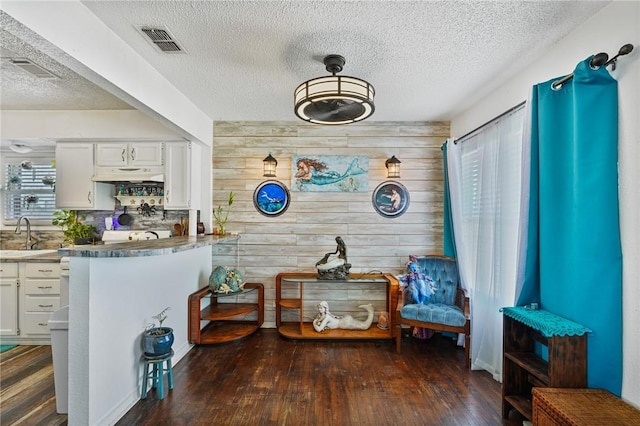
{"x":177,"y":185}
{"x":74,"y":188}
{"x":121,"y":154}
{"x":9,"y":299}
{"x":40,"y":298}
{"x":30,"y":294}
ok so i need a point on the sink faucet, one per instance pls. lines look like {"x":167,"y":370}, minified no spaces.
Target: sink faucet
{"x":28,"y":245}
{"x":152,"y":233}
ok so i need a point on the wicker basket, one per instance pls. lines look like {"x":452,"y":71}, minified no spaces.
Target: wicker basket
{"x":580,"y":407}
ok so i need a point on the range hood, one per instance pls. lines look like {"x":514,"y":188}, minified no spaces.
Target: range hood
{"x":129,"y":174}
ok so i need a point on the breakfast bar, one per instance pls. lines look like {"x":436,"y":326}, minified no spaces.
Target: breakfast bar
{"x":114,"y":291}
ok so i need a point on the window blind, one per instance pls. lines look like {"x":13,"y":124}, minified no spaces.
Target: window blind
{"x":29,"y":190}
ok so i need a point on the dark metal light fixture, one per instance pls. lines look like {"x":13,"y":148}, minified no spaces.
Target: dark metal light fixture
{"x":393,"y":167}
{"x":335,"y":99}
{"x":270,"y":164}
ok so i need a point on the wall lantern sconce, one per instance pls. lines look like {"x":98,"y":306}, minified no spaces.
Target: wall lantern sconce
{"x":270,"y":164}
{"x":393,"y":167}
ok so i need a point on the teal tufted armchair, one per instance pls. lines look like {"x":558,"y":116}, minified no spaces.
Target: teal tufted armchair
{"x":432,"y":298}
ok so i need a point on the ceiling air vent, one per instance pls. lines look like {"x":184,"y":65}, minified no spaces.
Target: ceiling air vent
{"x":161,"y":39}
{"x":33,"y":69}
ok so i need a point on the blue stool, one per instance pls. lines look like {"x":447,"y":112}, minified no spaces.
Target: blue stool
{"x":157,"y":373}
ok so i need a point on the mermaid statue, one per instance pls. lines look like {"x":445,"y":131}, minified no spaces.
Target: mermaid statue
{"x":326,"y":320}
{"x":337,"y":268}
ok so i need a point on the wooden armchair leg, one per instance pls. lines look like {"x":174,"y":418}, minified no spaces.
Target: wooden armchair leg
{"x":467,"y":351}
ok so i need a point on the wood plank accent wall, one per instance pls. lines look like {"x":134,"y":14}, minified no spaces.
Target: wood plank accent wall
{"x":297,"y":239}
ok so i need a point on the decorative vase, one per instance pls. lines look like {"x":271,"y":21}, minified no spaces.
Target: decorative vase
{"x":225,"y":280}
{"x":157,"y":341}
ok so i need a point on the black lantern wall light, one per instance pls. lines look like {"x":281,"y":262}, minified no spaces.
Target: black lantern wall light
{"x":270,"y":164}
{"x":334,"y":99}
{"x":393,"y":167}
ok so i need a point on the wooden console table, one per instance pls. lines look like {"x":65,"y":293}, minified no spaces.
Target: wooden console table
{"x":223,"y":325}
{"x":298,"y":293}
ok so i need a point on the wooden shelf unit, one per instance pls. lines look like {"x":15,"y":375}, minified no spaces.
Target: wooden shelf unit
{"x":522,"y":369}
{"x":222,"y":326}
{"x":304,"y":330}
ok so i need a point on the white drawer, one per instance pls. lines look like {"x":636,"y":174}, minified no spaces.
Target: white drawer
{"x":41,"y":304}
{"x":9,"y":270}
{"x":36,"y":323}
{"x":42,"y":270}
{"x":32,"y":286}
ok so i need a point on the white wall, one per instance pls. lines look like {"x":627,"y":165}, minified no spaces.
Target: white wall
{"x":614,"y":26}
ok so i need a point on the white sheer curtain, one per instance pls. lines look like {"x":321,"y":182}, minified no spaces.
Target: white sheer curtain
{"x":486,"y":179}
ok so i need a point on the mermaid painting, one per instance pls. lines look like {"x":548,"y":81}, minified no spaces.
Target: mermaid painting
{"x":313,"y":174}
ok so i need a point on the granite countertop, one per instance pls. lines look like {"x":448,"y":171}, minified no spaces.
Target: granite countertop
{"x":30,"y":256}
{"x":147,"y":248}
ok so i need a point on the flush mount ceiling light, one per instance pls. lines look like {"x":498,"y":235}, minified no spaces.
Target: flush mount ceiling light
{"x":335,"y":99}
{"x":20,"y":148}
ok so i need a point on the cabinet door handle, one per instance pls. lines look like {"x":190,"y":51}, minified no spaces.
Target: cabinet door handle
{"x":46,"y":306}
{"x":133,"y":154}
{"x":45,"y":270}
{"x":166,"y":195}
{"x":124,"y":151}
{"x":89,"y":196}
{"x":42,"y":324}
{"x":42,"y":287}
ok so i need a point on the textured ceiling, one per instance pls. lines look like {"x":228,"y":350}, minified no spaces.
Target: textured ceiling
{"x":22,"y":91}
{"x":428,"y":60}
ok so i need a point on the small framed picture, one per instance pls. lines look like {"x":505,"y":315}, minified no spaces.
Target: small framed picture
{"x":271,"y":198}
{"x":390,"y":199}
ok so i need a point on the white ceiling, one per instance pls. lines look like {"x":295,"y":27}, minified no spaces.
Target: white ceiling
{"x":428,"y":60}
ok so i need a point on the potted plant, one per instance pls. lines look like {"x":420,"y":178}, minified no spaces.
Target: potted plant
{"x":156,"y":339}
{"x":74,"y":231}
{"x":222,"y":215}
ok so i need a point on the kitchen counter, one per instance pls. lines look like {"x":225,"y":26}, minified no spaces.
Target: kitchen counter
{"x":148,"y":247}
{"x":30,"y":256}
{"x":114,"y":292}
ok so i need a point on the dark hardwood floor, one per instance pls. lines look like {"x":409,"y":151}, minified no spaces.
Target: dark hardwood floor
{"x":266,"y":380}
{"x":27,"y":395}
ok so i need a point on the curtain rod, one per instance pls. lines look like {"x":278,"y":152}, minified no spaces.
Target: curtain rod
{"x":509,"y":111}
{"x":601,"y":59}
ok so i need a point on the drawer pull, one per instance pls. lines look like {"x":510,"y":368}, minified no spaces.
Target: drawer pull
{"x":46,"y":306}
{"x":43,"y":324}
{"x":42,"y":287}
{"x":45,"y":270}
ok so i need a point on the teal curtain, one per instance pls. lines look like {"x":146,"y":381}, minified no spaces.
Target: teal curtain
{"x":580,"y":258}
{"x":529,"y":290}
{"x":449,"y":241}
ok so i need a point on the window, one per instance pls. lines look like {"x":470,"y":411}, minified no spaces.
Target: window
{"x":28,"y":189}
